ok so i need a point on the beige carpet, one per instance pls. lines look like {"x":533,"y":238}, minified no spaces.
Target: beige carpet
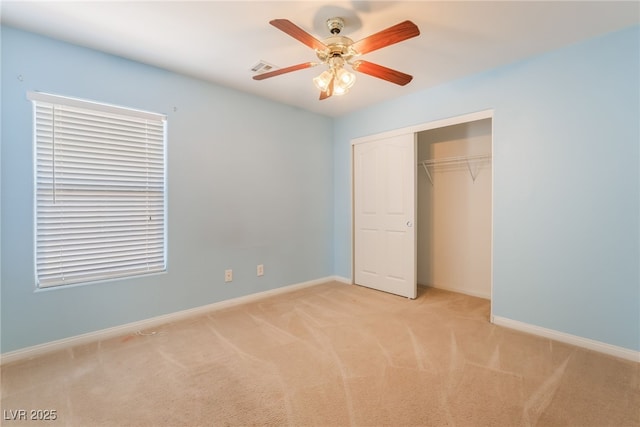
{"x":329,"y":355}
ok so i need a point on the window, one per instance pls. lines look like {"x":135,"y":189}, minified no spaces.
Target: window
{"x":100,"y":191}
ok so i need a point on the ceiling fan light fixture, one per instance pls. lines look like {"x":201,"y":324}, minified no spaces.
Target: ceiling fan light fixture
{"x":343,"y":82}
{"x":323,"y":80}
{"x":339,"y":90}
{"x":345,"y":79}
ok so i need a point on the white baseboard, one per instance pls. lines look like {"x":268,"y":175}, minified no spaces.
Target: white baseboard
{"x":342,"y":280}
{"x":612,"y":350}
{"x":40,"y":349}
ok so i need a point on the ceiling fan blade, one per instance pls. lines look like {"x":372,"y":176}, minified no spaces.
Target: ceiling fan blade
{"x":279,"y":71}
{"x":381,"y":72}
{"x":327,"y":93}
{"x":392,"y":35}
{"x":298,"y":33}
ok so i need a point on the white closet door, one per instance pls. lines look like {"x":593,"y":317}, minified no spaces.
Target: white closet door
{"x":384,"y":215}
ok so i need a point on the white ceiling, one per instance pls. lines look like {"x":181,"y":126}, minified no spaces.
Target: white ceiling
{"x":220,"y":41}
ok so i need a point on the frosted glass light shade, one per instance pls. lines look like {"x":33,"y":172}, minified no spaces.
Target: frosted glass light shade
{"x":344,"y":81}
{"x":323,"y":80}
{"x":345,"y":78}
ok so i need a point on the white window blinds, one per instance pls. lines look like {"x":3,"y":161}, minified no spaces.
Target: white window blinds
{"x":100,"y":191}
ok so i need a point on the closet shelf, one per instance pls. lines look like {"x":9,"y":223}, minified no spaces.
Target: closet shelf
{"x":472,"y":163}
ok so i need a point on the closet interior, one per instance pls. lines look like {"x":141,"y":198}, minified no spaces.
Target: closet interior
{"x":454,"y":188}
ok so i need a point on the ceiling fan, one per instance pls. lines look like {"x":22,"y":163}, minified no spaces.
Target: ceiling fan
{"x":337,"y":50}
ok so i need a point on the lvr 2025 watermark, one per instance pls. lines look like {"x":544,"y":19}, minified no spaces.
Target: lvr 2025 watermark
{"x":29,"y":414}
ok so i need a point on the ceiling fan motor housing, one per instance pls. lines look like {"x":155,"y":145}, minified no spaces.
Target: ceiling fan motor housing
{"x":337,"y":45}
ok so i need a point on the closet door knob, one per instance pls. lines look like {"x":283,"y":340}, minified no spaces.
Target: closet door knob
{"x":409,"y":224}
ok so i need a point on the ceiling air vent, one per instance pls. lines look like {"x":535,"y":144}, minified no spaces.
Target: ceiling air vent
{"x":263,"y":67}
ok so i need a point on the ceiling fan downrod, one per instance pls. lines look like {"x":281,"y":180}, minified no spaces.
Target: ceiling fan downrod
{"x":335,"y":25}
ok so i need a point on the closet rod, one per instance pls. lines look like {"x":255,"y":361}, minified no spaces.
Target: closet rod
{"x":452,"y":160}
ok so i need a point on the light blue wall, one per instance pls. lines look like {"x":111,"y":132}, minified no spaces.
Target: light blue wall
{"x":566,"y":182}
{"x":249,"y":181}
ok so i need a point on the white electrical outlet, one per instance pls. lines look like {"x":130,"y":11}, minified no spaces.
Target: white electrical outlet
{"x":260,"y":270}
{"x":228,"y":275}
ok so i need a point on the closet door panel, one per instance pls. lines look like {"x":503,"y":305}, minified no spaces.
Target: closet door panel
{"x":384,"y":174}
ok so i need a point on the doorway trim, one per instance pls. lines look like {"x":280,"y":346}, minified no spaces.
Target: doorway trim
{"x":456,"y":120}
{"x":435,"y":124}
